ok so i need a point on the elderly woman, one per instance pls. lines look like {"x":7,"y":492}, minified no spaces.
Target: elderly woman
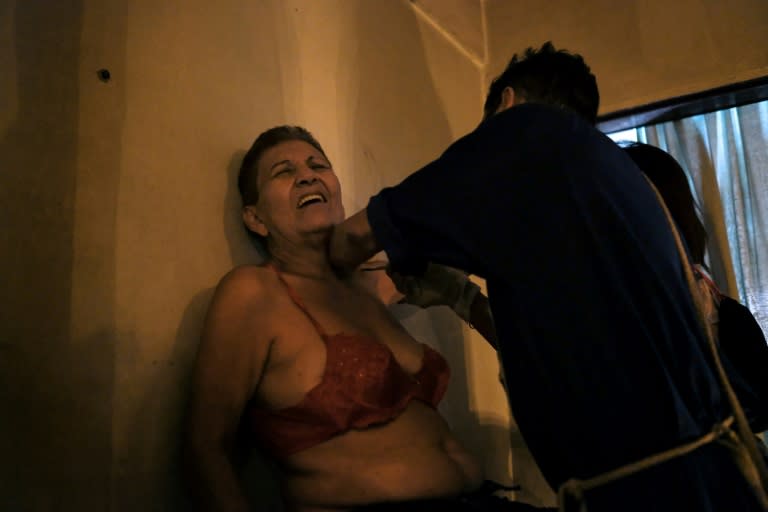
{"x":311,"y":365}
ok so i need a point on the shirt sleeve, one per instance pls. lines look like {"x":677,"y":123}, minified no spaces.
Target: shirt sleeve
{"x":409,"y":225}
{"x":445,"y":211}
{"x":380,"y":218}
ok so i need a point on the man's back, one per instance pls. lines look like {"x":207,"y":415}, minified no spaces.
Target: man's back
{"x":593,"y":314}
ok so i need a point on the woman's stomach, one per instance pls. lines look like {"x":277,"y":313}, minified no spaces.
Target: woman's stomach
{"x":414,"y":456}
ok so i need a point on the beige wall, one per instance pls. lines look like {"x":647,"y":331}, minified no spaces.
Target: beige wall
{"x":47,"y":377}
{"x":640,"y":50}
{"x":118,"y":209}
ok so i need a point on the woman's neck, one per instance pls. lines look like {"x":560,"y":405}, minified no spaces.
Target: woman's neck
{"x":311,"y":262}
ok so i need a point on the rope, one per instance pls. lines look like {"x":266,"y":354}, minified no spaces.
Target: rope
{"x":742,"y":447}
{"x":572,"y":491}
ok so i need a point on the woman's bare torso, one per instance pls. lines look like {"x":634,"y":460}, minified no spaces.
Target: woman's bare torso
{"x":413,"y":456}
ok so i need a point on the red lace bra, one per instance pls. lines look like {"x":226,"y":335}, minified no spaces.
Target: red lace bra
{"x":363,"y":385}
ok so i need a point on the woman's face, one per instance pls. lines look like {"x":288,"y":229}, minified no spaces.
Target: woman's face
{"x":299,"y":194}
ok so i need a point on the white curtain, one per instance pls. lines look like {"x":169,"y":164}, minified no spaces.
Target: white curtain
{"x":725,"y":154}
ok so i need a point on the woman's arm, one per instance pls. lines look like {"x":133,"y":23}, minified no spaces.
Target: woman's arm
{"x":231,"y":359}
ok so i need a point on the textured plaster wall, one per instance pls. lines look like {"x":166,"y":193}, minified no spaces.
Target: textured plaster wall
{"x":641,"y":50}
{"x":55,"y":378}
{"x":119,"y":210}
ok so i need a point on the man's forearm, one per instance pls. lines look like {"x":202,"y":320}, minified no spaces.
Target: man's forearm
{"x":352,"y":242}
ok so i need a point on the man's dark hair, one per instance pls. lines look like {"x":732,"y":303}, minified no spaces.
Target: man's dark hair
{"x":549,"y":76}
{"x":669,"y":178}
{"x":247,"y":178}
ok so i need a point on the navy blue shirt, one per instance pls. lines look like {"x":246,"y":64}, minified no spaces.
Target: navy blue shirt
{"x":603,"y":357}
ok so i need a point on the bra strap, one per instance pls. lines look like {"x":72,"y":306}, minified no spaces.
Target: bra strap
{"x":297,"y":300}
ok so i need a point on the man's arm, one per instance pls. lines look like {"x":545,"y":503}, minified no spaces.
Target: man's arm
{"x":352,"y":243}
{"x":442,"y":285}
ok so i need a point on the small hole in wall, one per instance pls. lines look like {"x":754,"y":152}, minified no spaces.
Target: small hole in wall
{"x":104,"y":75}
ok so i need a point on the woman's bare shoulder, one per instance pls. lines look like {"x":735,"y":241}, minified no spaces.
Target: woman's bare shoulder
{"x":247,"y":281}
{"x":242,"y":309}
{"x":245,"y":290}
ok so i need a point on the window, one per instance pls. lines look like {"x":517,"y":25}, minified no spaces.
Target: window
{"x":724,"y":151}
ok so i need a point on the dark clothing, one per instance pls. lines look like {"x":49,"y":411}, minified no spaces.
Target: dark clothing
{"x":488,"y":504}
{"x":742,"y":348}
{"x":603,"y":357}
{"x":743,"y":344}
{"x":481,"y":500}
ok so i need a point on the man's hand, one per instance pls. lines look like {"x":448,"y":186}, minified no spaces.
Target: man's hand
{"x":439,"y":286}
{"x":351,"y":243}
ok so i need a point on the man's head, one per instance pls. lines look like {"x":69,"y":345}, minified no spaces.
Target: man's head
{"x":549,"y":76}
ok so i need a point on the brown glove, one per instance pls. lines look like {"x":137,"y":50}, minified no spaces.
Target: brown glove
{"x":439,"y":286}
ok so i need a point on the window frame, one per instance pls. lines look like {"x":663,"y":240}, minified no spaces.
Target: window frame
{"x":672,"y":109}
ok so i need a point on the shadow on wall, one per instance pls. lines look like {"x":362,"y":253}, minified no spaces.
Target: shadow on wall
{"x":242,"y":249}
{"x":168,"y":382}
{"x":486,"y":437}
{"x":55,"y":391}
{"x":258,"y":476}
